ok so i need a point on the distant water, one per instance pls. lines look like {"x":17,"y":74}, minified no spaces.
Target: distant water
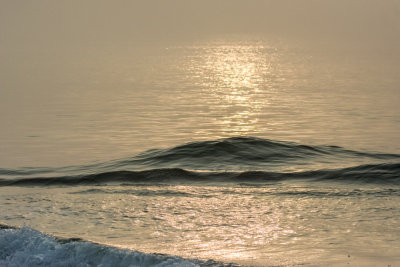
{"x":79,"y":106}
{"x":219,"y":153}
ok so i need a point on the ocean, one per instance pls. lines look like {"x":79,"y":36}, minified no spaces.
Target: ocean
{"x":223,"y":152}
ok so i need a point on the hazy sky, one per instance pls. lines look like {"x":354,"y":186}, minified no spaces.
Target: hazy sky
{"x":48,"y":23}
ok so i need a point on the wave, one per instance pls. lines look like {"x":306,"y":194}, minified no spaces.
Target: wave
{"x":309,"y":193}
{"x":230,"y":154}
{"x":239,"y":159}
{"x":377,"y":173}
{"x":240,"y":153}
{"x":27,"y":247}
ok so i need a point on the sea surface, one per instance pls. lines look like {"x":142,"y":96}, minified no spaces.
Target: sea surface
{"x":223,"y":152}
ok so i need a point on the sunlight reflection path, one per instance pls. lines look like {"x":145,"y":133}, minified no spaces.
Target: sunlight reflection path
{"x":238,"y":82}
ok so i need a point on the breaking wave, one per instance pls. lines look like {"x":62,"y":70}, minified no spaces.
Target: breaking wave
{"x":27,"y":247}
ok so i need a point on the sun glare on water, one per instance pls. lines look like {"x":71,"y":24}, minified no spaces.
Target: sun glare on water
{"x":235,"y":78}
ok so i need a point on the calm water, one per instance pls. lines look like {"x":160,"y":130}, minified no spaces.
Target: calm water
{"x":100,"y":104}
{"x":257,"y":152}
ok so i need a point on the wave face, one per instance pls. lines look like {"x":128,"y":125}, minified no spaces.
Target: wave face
{"x":240,"y":159}
{"x":380,"y":173}
{"x":27,"y":247}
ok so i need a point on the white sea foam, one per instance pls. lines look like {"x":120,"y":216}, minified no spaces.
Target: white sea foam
{"x":27,"y":247}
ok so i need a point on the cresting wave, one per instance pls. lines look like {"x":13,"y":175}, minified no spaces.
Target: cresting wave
{"x":239,"y":159}
{"x":27,"y":247}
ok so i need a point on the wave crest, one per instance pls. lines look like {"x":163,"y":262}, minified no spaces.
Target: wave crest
{"x":239,"y":153}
